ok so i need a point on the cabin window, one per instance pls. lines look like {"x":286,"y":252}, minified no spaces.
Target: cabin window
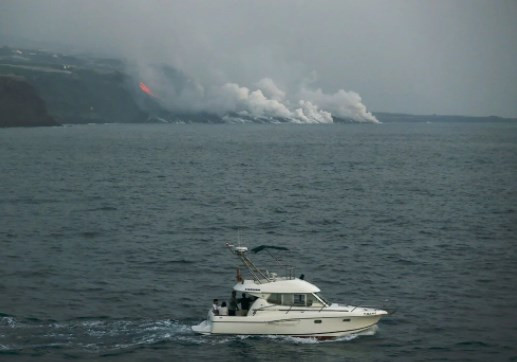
{"x":287,"y":299}
{"x":299,"y":300}
{"x":275,"y":298}
{"x":317,"y":321}
{"x":346,"y":320}
{"x":312,"y":301}
{"x":322,"y":298}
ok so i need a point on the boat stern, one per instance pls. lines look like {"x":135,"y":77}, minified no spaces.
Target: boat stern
{"x":204,"y":327}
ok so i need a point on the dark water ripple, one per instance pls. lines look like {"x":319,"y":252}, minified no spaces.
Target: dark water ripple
{"x":112,"y":236}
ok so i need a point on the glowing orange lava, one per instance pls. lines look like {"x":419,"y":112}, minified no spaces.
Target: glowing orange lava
{"x":145,"y":89}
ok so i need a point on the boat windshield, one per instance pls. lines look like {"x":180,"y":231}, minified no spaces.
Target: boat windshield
{"x":322,"y":298}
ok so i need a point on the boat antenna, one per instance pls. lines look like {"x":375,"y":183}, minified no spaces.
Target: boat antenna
{"x":256,"y":273}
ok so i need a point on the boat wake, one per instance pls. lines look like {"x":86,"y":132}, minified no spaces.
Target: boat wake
{"x":96,"y":335}
{"x":103,"y":335}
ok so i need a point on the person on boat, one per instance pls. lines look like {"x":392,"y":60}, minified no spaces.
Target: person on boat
{"x":234,"y":304}
{"x":245,"y":304}
{"x":215,"y":307}
{"x":239,"y":276}
{"x":223,"y":309}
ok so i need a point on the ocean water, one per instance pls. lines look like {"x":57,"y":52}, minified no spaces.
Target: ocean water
{"x":112,"y":236}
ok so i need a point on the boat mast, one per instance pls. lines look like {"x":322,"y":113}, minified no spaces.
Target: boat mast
{"x":240,"y":251}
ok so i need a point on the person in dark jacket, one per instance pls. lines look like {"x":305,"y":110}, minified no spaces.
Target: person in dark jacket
{"x":233,"y":306}
{"x":245,"y":304}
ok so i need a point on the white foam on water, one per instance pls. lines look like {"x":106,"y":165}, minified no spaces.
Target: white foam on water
{"x":89,"y":335}
{"x":8,"y":321}
{"x":294,"y":340}
{"x":115,"y":335}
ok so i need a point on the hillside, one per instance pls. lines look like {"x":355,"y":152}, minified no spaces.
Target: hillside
{"x":20,"y":104}
{"x":87,"y":89}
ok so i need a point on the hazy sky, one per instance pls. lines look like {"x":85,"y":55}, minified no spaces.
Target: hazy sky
{"x":443,"y":57}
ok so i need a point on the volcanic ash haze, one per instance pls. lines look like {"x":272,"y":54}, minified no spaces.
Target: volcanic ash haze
{"x":213,"y":57}
{"x":265,"y":101}
{"x":303,"y":61}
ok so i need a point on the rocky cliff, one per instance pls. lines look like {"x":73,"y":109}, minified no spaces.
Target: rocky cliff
{"x":20,"y":104}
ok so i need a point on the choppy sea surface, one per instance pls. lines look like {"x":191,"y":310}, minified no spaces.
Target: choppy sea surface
{"x":112,"y":236}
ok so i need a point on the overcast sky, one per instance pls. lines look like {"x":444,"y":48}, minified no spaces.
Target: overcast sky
{"x":424,"y":57}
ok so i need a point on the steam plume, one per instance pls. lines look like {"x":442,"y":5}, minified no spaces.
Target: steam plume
{"x":341,"y":104}
{"x":266,"y":101}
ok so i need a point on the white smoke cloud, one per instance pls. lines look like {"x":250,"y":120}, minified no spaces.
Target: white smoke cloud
{"x":180,"y":93}
{"x":240,"y":100}
{"x":342,"y":104}
{"x":232,"y":98}
{"x":270,"y":89}
{"x":310,"y":113}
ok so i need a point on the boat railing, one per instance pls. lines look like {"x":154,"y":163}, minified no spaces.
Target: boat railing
{"x":286,"y":272}
{"x":260,"y":275}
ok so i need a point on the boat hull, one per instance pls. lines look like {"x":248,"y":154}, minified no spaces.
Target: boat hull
{"x":321,"y":327}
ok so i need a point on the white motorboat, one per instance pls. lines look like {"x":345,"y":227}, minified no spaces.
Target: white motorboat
{"x":287,"y":306}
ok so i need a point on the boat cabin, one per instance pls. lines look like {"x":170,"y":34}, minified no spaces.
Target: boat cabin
{"x":297,"y":300}
{"x":284,"y":292}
